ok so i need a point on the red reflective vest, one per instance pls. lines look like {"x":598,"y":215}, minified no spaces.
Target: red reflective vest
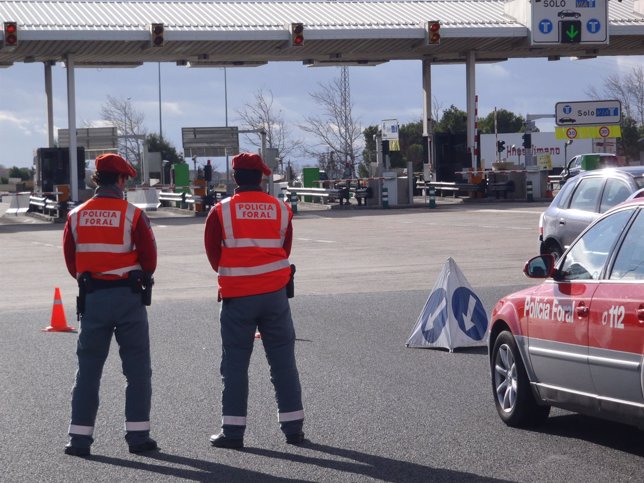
{"x":102,"y":230}
{"x":253,"y":260}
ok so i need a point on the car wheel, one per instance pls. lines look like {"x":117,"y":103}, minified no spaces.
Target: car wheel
{"x":554,"y":249}
{"x":513,"y":396}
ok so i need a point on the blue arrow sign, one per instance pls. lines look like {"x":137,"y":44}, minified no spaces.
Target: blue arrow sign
{"x":434,"y":315}
{"x":469,"y":312}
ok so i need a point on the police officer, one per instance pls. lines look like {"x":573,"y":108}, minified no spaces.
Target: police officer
{"x":110,"y":249}
{"x":248,"y":240}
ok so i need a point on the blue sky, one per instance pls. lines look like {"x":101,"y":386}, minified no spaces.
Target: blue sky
{"x":195,"y":97}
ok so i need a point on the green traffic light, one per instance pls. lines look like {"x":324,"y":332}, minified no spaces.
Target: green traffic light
{"x":570,"y":31}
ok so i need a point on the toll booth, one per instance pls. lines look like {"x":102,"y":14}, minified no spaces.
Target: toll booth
{"x":180,"y":174}
{"x":52,"y":168}
{"x":390,"y":181}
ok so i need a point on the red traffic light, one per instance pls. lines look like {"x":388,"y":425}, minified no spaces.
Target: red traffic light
{"x":297,"y":34}
{"x":433,"y":32}
{"x":10,"y":34}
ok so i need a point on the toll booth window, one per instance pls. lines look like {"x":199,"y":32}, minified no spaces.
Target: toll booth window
{"x":587,"y":257}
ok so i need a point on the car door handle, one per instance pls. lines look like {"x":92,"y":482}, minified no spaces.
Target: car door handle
{"x":640,"y":314}
{"x":582,"y":310}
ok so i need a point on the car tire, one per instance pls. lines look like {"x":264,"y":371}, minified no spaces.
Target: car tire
{"x":553,"y":248}
{"x":513,"y":395}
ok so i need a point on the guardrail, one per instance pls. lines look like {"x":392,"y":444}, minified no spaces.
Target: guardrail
{"x":331,"y":194}
{"x":324,"y":194}
{"x":185,"y":200}
{"x":453,"y":187}
{"x":500,"y":187}
{"x":45,"y":206}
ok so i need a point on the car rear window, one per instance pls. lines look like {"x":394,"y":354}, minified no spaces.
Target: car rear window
{"x":639,"y":180}
{"x":586,"y":195}
{"x":615,"y":192}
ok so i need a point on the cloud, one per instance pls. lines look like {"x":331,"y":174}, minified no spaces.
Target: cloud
{"x":26,"y":126}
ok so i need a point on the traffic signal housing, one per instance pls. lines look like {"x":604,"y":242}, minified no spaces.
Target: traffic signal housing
{"x":433,"y":32}
{"x":570,"y":31}
{"x":156,"y":34}
{"x":500,"y":146}
{"x":297,"y":34}
{"x":527,"y":140}
{"x":10,"y":34}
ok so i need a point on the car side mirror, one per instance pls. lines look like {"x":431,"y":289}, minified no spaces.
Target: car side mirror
{"x":540,"y":267}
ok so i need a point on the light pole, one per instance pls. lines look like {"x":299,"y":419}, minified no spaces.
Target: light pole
{"x":160,"y":117}
{"x":566,"y":144}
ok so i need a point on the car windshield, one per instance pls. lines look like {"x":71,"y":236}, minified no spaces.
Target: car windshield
{"x":586,"y":258}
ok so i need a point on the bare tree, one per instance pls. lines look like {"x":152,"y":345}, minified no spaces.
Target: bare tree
{"x":629,"y":90}
{"x":261,"y":114}
{"x":336,"y":129}
{"x":121,"y":113}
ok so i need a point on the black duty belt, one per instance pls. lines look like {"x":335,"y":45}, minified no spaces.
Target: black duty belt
{"x":100,"y":284}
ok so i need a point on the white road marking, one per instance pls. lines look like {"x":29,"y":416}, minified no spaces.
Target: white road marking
{"x":316,"y":241}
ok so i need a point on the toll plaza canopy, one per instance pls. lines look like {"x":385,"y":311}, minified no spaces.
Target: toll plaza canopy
{"x":208,"y":33}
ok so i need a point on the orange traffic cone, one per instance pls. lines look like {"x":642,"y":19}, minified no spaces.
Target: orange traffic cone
{"x":58,"y":319}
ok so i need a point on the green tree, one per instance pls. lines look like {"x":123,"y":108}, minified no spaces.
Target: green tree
{"x":453,"y":120}
{"x":411,"y":146}
{"x":506,"y":122}
{"x":23,"y":173}
{"x":629,"y":142}
{"x":369,"y":151}
{"x":167,"y":150}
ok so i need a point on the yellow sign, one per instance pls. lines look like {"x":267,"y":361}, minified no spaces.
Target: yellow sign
{"x":394,"y":145}
{"x":588,"y":132}
{"x":544,"y":161}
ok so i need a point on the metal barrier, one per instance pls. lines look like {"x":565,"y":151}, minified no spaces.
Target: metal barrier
{"x":325,"y":194}
{"x":18,"y":202}
{"x":185,"y":200}
{"x":45,"y":206}
{"x":452,"y":187}
{"x":500,"y":187}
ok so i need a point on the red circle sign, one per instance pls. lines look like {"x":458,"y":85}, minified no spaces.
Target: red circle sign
{"x":571,"y":132}
{"x":604,"y":131}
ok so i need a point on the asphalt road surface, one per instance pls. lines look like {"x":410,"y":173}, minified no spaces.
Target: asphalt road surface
{"x":375,"y":410}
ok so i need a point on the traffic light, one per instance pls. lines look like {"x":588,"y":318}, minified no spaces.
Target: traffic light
{"x":527,"y":140}
{"x":10,"y":34}
{"x":500,"y":146}
{"x":433,"y":32}
{"x":156,"y":34}
{"x":570,"y":31}
{"x":297,"y":34}
{"x":207,"y":172}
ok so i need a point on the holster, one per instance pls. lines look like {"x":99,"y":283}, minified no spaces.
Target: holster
{"x":142,"y":282}
{"x":84,"y":287}
{"x":290,"y":286}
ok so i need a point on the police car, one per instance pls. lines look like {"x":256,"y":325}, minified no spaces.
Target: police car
{"x":576,"y":341}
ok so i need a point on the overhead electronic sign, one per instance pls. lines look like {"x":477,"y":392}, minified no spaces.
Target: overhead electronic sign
{"x":569,"y":22}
